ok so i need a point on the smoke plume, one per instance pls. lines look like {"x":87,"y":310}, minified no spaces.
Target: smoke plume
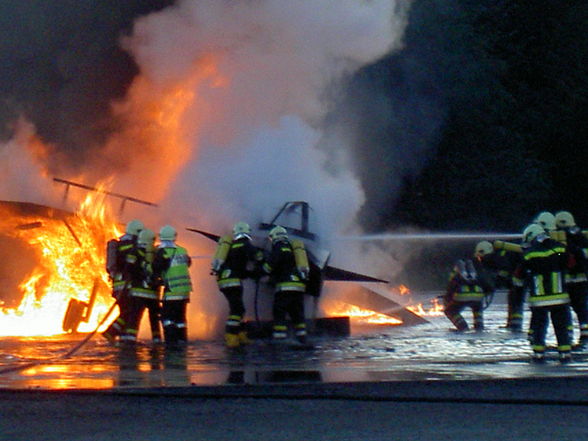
{"x":219,"y":112}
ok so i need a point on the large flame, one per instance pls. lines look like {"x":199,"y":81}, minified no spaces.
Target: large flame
{"x":70,"y":263}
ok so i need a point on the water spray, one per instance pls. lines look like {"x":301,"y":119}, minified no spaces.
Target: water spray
{"x":431,"y":236}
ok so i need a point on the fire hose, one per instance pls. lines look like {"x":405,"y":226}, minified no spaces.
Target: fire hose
{"x":64,"y":356}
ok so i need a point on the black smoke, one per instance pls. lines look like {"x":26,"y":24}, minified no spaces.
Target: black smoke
{"x":61,"y":66}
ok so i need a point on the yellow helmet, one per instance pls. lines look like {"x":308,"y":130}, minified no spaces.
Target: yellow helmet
{"x":546,"y":220}
{"x":146,"y":238}
{"x":241,"y":229}
{"x":483,"y":248}
{"x":277,"y":233}
{"x":564,"y":219}
{"x":134,"y":227}
{"x":167,"y":232}
{"x":531,"y":232}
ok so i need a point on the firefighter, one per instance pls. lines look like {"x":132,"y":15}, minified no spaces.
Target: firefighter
{"x":287,"y":264}
{"x":467,"y":288}
{"x":143,"y":292}
{"x":575,"y":279}
{"x":541,"y":272}
{"x":234,"y":260}
{"x":171,"y":268}
{"x":121,"y":257}
{"x":501,"y":263}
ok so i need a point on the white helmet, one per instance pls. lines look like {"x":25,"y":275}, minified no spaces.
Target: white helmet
{"x":546,"y":220}
{"x":483,"y":248}
{"x":134,"y":227}
{"x":564,"y":219}
{"x":146,"y":238}
{"x":278,"y":233}
{"x":241,"y":229}
{"x":531,"y":232}
{"x":167,"y":232}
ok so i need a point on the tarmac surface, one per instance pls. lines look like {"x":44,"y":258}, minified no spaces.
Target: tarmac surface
{"x":399,"y":383}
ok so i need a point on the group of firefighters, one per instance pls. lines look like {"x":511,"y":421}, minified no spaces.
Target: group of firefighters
{"x":145,"y":277}
{"x":157,"y":279}
{"x":548,"y":269}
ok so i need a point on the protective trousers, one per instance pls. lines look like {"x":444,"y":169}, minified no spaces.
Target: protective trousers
{"x":137,"y":307}
{"x":173,"y":319}
{"x":234,"y":296}
{"x":118,"y":326}
{"x":561,"y":320}
{"x":289,"y":303}
{"x":516,"y":301}
{"x":453,"y":312}
{"x":578,"y":297}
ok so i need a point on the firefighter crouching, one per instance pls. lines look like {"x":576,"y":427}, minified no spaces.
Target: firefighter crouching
{"x":120,"y":259}
{"x":233,"y":262}
{"x":466,"y":289}
{"x":171,"y":266}
{"x":576,"y":281}
{"x":542,"y":272}
{"x":143,"y":292}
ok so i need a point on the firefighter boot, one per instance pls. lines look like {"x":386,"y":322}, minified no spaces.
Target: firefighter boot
{"x":538,"y":357}
{"x":565,"y":357}
{"x":460,"y":324}
{"x":300,"y":332}
{"x":243,"y":338}
{"x":583,"y":341}
{"x":108,"y":336}
{"x":231,"y":340}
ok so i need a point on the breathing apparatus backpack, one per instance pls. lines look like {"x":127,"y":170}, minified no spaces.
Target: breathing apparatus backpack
{"x":300,"y":257}
{"x":112,"y":257}
{"x":221,"y":253}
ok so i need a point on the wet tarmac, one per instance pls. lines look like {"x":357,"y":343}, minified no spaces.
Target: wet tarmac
{"x":427,"y":352}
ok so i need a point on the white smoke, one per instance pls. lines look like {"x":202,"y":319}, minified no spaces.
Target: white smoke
{"x":260,"y":145}
{"x":23,"y":177}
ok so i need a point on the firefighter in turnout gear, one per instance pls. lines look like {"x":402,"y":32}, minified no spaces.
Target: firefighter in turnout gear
{"x":121,"y":258}
{"x":575,"y":279}
{"x":233,"y":262}
{"x":501,"y":263}
{"x":287,"y":264}
{"x":541,"y":272}
{"x":143,"y":293}
{"x":467,"y":288}
{"x":171,"y":269}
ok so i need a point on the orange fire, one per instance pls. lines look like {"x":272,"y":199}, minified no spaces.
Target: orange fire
{"x":436,"y":309}
{"x":403,"y":290}
{"x":360,"y":316}
{"x":70,"y":262}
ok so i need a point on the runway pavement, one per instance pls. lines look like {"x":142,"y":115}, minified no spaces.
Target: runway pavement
{"x":419,"y":383}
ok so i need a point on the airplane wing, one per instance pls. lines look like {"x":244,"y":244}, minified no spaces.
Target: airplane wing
{"x":341,"y":275}
{"x":329,"y":272}
{"x":206,"y":234}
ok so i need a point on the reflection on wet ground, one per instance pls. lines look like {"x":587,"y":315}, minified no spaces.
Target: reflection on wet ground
{"x":424,"y":352}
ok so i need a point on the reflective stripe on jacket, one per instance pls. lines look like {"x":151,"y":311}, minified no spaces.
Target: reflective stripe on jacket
{"x":543,"y":267}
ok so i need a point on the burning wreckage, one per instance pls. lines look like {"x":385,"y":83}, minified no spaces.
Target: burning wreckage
{"x":58,"y":283}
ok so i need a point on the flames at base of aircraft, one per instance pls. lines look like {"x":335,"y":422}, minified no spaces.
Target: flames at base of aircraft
{"x":60,"y":266}
{"x":57,"y":256}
